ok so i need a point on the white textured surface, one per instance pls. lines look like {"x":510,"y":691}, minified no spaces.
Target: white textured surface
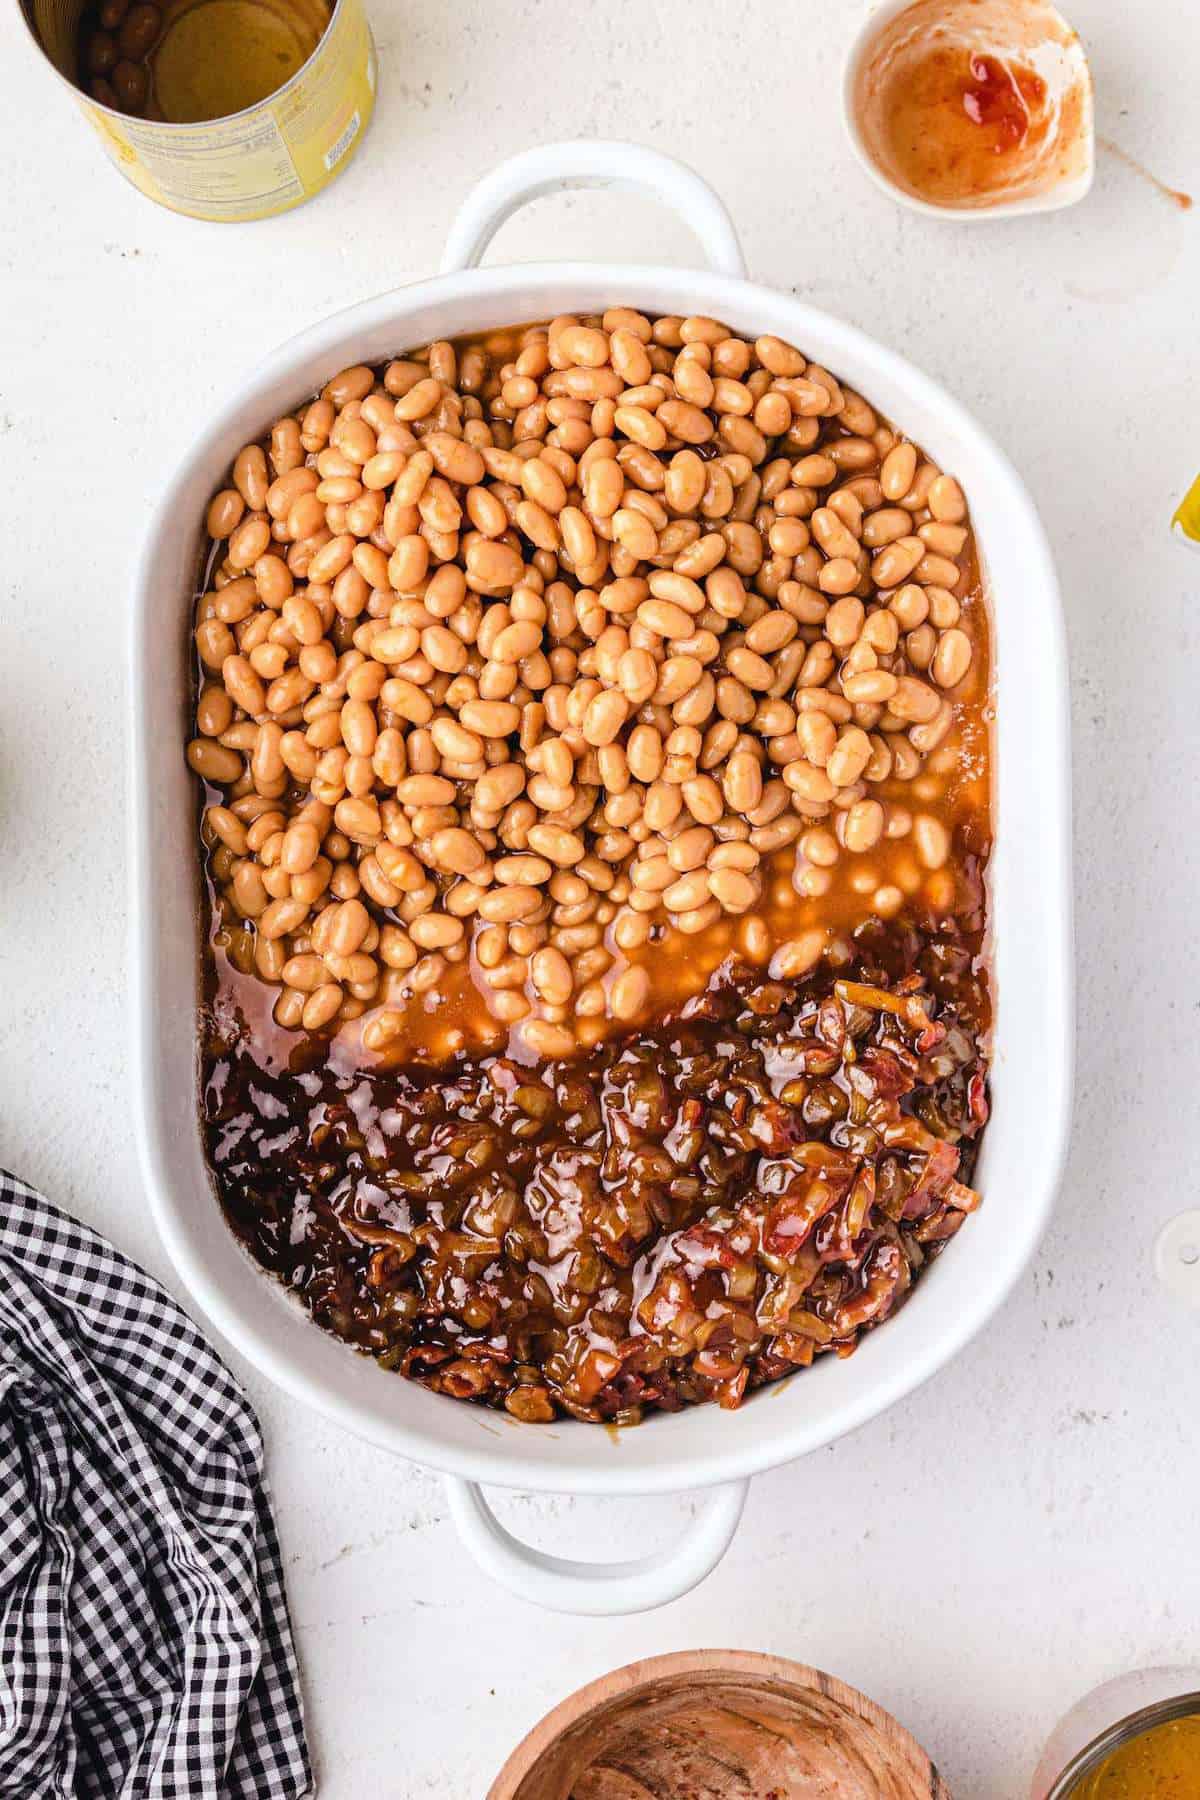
{"x":1025,"y":1526}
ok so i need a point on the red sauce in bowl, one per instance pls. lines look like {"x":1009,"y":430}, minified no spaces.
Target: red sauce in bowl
{"x":958,"y":118}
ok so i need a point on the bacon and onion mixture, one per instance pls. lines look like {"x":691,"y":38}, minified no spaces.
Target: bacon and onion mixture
{"x":680,"y":1215}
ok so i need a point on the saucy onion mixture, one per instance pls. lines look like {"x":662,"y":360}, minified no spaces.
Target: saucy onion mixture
{"x":593,"y":721}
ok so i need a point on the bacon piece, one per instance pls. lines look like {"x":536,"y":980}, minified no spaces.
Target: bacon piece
{"x":729,"y":1394}
{"x":422,"y":1359}
{"x":794,"y":1348}
{"x":961,"y":1198}
{"x":878,"y":1294}
{"x":941,"y":1164}
{"x":706,"y":1247}
{"x":884,"y":1072}
{"x":977,"y":1100}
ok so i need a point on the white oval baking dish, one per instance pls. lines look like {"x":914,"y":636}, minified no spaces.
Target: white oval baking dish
{"x":1030,"y":880}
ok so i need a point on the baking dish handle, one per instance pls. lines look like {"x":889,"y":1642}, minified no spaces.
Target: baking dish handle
{"x":549,"y":168}
{"x":596,"y":1589}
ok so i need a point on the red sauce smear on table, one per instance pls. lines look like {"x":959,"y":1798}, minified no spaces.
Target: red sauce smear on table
{"x":1176,"y":196}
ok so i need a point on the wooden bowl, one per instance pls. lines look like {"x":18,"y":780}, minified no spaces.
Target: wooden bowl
{"x":718,"y":1725}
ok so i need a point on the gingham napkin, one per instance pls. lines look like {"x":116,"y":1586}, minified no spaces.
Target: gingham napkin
{"x":145,"y":1648}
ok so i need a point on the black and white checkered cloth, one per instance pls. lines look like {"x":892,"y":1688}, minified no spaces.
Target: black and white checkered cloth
{"x":145,"y":1648}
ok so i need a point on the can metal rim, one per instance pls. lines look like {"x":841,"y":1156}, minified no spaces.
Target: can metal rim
{"x":1162,"y":1712}
{"x":111,"y":112}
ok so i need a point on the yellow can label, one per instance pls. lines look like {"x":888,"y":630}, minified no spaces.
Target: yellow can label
{"x":264,"y":160}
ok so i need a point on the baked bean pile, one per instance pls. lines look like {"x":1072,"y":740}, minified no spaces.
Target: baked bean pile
{"x":679,"y":1216}
{"x":518,"y":655}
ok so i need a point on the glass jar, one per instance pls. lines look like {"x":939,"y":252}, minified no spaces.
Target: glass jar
{"x":1106,"y":1719}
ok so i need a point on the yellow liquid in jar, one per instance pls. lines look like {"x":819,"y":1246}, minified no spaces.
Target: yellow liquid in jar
{"x":218,"y":57}
{"x":1162,"y":1764}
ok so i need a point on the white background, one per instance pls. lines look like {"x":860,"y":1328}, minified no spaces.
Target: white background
{"x":1026,"y":1525}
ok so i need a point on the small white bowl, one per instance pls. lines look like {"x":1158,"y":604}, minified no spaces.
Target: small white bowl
{"x":1064,"y":191}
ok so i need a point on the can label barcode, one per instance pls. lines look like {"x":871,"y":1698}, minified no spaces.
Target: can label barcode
{"x":338,"y":150}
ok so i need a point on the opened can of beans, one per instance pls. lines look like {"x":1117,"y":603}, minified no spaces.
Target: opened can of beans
{"x":219,"y":109}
